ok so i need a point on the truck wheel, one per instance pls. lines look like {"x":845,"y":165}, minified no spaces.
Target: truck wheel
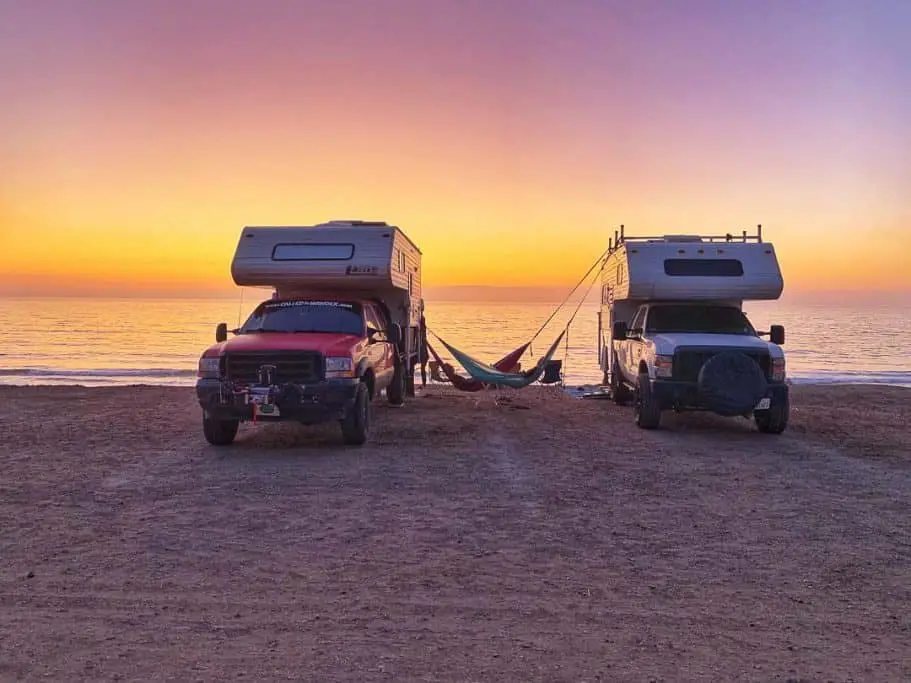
{"x":775,"y":419}
{"x":618,"y":391}
{"x":648,"y":412}
{"x":395,"y":392}
{"x":219,"y":432}
{"x":356,"y":423}
{"x":409,"y":382}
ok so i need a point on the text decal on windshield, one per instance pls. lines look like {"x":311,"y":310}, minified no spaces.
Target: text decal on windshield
{"x":291,"y":304}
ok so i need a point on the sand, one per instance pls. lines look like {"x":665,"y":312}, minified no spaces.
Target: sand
{"x":546,"y":538}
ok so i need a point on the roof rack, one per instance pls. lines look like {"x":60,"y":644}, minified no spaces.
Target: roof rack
{"x":620,"y":237}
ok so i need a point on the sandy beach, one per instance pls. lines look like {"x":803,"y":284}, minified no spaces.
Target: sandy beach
{"x":544,"y":538}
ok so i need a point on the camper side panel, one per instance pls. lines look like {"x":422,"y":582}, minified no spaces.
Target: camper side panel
{"x":616,"y":274}
{"x":615,"y":305}
{"x":405,"y":270}
{"x":406,"y":275}
{"x":299,"y":257}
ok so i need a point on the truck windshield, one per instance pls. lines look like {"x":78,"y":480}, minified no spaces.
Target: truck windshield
{"x":702,"y":319}
{"x":336,"y":317}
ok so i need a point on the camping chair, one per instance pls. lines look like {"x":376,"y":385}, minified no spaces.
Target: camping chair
{"x":552,"y":372}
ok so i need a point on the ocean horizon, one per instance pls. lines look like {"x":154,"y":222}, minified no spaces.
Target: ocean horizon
{"x":116,"y":341}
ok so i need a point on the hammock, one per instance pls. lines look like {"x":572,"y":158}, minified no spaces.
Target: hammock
{"x":500,"y":374}
{"x":506,"y":364}
{"x":486,"y":374}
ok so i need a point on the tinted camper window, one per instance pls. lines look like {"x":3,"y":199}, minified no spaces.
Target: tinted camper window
{"x":312,"y":252}
{"x":696,"y":267}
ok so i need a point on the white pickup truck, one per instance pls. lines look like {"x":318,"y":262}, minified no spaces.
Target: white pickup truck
{"x":702,"y":356}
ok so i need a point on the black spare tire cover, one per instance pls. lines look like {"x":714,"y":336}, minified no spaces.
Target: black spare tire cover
{"x":731,"y":383}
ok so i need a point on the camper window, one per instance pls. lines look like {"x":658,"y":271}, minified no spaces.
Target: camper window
{"x":695,"y":267}
{"x":312,"y":252}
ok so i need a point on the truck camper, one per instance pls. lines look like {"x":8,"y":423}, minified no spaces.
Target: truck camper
{"x":343,"y":324}
{"x":672,"y":332}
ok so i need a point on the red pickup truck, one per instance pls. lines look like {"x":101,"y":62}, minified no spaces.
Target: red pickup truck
{"x":305,"y":360}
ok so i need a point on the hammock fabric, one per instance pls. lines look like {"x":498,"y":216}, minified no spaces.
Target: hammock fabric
{"x":506,"y":364}
{"x":490,"y":375}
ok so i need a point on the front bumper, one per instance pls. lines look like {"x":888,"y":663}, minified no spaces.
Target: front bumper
{"x":310,"y":404}
{"x":677,"y":395}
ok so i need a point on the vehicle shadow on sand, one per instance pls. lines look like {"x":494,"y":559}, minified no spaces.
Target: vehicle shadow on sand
{"x":393,"y":431}
{"x":707,"y":423}
{"x":287,"y":439}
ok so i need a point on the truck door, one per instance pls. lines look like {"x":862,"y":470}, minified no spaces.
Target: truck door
{"x":633,"y":347}
{"x":381,"y":353}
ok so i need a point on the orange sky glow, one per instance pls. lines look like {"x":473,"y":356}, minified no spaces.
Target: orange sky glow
{"x":137,"y":139}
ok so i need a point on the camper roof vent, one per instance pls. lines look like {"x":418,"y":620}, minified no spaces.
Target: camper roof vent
{"x":357,"y":222}
{"x":682,"y":238}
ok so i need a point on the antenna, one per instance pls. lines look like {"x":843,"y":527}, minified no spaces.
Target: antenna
{"x":622,"y":230}
{"x":759,"y":231}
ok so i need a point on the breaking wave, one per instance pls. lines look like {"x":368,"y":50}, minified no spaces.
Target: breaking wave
{"x":890,"y":377}
{"x":112,"y":373}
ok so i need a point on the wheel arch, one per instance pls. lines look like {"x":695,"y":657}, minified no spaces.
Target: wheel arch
{"x":366,"y":374}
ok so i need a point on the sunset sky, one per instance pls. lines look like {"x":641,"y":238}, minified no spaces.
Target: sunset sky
{"x":508,"y":138}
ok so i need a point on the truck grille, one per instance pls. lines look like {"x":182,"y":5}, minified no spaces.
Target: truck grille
{"x":688,"y":362}
{"x":292,"y":367}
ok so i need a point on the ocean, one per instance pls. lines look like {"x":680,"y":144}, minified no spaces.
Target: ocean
{"x":104,"y":342}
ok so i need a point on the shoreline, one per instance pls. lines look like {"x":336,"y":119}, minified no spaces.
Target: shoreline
{"x":114,"y":383}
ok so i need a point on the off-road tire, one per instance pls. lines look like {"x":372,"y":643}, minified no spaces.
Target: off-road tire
{"x":648,"y":412}
{"x":619,"y":392}
{"x":395,"y":392}
{"x":356,"y":424}
{"x":775,"y":419}
{"x":409,"y":384}
{"x":219,"y":432}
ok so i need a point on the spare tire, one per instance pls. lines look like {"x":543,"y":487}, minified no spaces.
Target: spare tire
{"x":731,"y":383}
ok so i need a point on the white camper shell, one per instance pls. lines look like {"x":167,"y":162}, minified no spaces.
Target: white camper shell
{"x":369,"y":260}
{"x":691,"y":268}
{"x":728,"y":269}
{"x":341,"y":258}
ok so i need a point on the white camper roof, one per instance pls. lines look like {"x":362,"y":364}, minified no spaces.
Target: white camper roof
{"x":336,"y":255}
{"x":692,"y":267}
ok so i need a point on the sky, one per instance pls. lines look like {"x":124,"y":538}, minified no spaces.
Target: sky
{"x":509,"y":139}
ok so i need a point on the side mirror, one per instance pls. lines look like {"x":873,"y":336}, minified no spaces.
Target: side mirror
{"x":620,"y":331}
{"x":394,"y":334}
{"x":221,"y":332}
{"x":776,"y":334}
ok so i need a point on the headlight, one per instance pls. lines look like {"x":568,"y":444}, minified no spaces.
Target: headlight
{"x":209,"y":367}
{"x":339,"y":367}
{"x":778,"y":370}
{"x":664,"y":366}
